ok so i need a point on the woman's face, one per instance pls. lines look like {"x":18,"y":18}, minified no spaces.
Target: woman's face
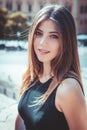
{"x":47,"y":41}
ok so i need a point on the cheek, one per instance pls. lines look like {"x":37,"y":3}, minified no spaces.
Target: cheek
{"x":35,"y":42}
{"x":56,"y":49}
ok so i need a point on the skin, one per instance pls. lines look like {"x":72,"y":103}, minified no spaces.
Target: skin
{"x":69,"y":98}
{"x":47,"y":42}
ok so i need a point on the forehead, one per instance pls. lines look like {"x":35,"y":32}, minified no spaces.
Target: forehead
{"x":48,"y":25}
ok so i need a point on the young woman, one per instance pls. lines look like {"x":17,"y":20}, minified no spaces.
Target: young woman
{"x":52,"y":96}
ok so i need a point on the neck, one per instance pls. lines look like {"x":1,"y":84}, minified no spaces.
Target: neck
{"x":47,"y":71}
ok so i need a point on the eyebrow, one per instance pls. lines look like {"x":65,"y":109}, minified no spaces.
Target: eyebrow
{"x":49,"y":32}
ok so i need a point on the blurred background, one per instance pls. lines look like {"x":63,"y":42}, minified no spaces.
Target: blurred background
{"x":16,"y":17}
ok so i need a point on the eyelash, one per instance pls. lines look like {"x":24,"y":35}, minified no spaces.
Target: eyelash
{"x":54,"y":36}
{"x":37,"y":33}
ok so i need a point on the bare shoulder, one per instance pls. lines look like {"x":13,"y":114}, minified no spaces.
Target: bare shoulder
{"x":68,"y":87}
{"x":70,"y":100}
{"x":69,"y":91}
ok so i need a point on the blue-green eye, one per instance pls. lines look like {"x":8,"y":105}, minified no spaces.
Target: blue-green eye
{"x":54,"y":36}
{"x":38,"y":33}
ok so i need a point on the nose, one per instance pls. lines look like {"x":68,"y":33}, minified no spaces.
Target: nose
{"x":43,"y":40}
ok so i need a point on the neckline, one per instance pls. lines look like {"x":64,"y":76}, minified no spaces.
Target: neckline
{"x":44,"y":81}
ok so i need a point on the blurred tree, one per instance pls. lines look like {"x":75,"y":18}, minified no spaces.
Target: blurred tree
{"x":3,"y":20}
{"x":18,"y":17}
{"x":11,"y":24}
{"x":17,"y":22}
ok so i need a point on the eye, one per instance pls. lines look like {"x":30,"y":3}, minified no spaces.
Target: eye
{"x":54,"y":36}
{"x":38,"y":33}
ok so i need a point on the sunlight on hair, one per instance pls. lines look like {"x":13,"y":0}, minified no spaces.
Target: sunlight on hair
{"x":39,"y":100}
{"x":23,"y":34}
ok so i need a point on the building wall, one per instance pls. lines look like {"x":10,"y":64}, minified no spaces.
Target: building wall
{"x":82,"y":16}
{"x":78,"y":8}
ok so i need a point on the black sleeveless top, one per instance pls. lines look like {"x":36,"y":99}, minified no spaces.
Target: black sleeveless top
{"x":45,"y":117}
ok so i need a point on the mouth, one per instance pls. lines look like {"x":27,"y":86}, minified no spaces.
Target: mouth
{"x":41,"y":51}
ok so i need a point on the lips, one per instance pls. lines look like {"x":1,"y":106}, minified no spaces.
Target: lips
{"x":41,"y":51}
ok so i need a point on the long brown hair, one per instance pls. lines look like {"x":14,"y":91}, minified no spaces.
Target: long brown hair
{"x":66,"y":63}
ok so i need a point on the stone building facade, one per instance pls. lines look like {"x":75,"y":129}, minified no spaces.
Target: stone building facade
{"x":78,"y":8}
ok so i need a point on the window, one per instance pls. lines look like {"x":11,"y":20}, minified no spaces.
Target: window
{"x":9,"y":5}
{"x":83,"y":9}
{"x":41,"y":6}
{"x":19,"y":7}
{"x":30,"y":7}
{"x":86,"y":9}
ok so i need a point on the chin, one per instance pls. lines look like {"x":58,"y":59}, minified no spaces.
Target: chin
{"x":42,"y":59}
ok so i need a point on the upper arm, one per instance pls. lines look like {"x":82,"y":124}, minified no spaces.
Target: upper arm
{"x":70,"y":99}
{"x":19,"y":124}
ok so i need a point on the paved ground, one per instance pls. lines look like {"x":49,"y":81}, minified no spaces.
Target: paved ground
{"x":8,"y":113}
